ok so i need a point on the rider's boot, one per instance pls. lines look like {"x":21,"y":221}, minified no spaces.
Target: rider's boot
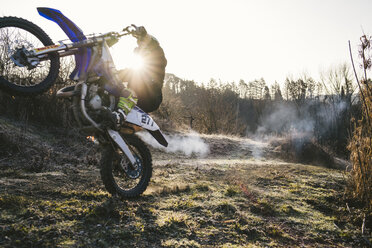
{"x":126,"y":103}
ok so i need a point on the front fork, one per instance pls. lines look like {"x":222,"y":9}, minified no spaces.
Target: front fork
{"x":116,"y":137}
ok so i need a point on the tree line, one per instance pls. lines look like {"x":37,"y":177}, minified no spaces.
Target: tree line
{"x":322,"y":109}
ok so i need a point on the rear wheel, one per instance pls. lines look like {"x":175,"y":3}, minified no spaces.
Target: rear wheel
{"x":119,"y":176}
{"x":17,"y":34}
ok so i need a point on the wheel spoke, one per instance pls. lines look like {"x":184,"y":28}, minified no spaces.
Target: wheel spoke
{"x":123,"y":178}
{"x":11,"y":39}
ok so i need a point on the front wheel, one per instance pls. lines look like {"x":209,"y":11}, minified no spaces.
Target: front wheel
{"x":119,"y":176}
{"x":16,"y":36}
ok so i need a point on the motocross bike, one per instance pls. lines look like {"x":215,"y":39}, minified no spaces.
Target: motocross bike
{"x":29,"y":65}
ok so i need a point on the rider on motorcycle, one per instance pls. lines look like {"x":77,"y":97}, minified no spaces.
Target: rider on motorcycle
{"x":145,"y":84}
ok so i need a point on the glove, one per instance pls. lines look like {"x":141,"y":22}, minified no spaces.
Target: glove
{"x":139,"y":32}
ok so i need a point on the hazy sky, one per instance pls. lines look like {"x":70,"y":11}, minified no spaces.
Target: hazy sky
{"x":223,"y":39}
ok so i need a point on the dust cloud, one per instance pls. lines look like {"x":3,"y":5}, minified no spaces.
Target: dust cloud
{"x":304,"y":120}
{"x":187,"y":143}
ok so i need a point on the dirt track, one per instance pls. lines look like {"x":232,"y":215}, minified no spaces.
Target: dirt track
{"x":239,"y":194}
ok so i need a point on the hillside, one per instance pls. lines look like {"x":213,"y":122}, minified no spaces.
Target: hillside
{"x":206,"y":191}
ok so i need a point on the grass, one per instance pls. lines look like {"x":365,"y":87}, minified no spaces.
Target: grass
{"x":294,"y":211}
{"x":188,"y":204}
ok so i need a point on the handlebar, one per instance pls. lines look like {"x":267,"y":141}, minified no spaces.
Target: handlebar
{"x":130,"y":29}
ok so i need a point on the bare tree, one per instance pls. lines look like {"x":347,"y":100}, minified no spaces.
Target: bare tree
{"x":336,"y":78}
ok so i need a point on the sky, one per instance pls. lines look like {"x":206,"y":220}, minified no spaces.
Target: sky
{"x":227,"y":40}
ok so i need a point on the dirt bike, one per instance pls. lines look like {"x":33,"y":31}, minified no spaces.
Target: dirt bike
{"x":29,"y":65}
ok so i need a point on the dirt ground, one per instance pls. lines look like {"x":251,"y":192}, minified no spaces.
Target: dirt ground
{"x":237,"y":192}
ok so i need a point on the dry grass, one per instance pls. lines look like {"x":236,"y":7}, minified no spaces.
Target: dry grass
{"x":228,"y":200}
{"x":360,"y":183}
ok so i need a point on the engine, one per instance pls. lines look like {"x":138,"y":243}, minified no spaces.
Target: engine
{"x":97,"y":98}
{"x":94,"y":100}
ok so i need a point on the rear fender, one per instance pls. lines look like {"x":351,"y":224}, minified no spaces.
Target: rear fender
{"x":83,"y":56}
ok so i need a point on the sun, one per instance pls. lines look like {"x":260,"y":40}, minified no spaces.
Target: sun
{"x":124,"y":55}
{"x":136,"y":62}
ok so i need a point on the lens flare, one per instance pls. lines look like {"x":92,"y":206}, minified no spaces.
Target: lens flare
{"x":137,"y":62}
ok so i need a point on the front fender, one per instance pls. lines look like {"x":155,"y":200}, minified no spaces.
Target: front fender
{"x":140,"y":118}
